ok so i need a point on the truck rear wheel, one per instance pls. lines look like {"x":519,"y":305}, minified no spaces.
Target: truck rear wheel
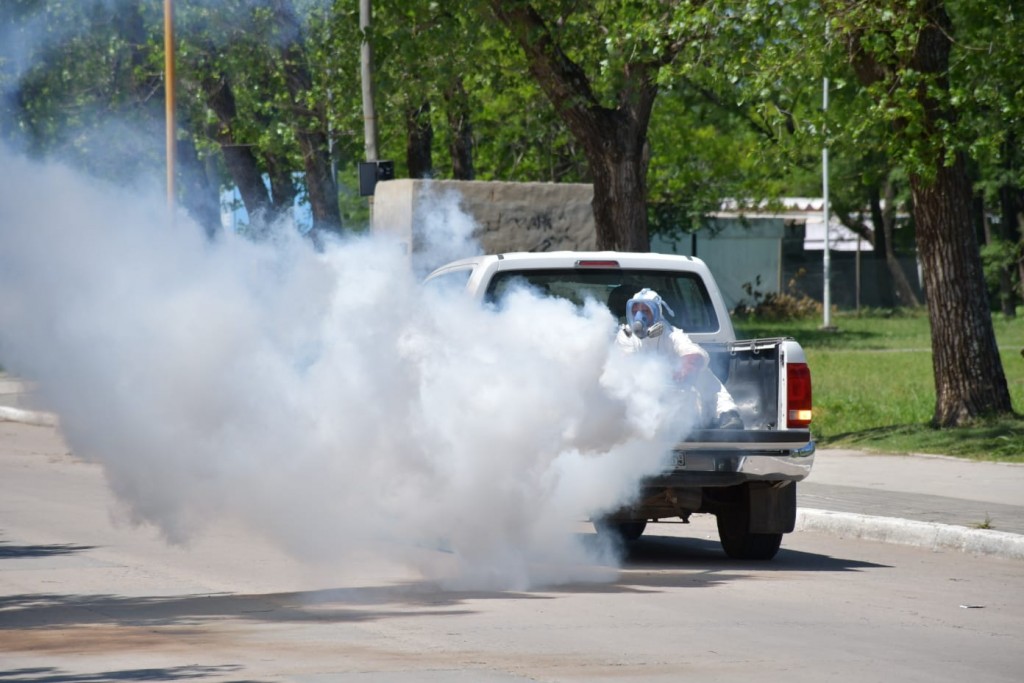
{"x":738,"y":541}
{"x":752,"y":518}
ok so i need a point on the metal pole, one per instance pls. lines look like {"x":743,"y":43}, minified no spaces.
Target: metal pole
{"x":858,"y":275}
{"x":169,"y":80}
{"x":826,"y":250}
{"x":366,"y":73}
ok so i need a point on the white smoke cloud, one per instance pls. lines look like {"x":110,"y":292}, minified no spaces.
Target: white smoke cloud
{"x":325,"y":399}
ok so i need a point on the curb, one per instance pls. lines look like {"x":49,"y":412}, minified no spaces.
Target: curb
{"x":908,"y":532}
{"x":32,"y":417}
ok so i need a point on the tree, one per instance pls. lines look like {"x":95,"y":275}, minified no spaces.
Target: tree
{"x":612,"y":132}
{"x":251,"y":68}
{"x":88,"y":92}
{"x":901,"y":54}
{"x":987,"y":81}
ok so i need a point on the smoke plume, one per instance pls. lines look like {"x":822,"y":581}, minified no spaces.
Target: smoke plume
{"x":325,"y":398}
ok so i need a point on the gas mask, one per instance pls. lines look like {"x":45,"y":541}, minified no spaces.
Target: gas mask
{"x":644,"y":316}
{"x":644,"y":324}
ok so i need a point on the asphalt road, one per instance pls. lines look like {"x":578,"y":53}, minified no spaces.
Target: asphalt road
{"x":85,"y":597}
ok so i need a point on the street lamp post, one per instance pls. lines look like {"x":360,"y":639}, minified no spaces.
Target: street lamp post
{"x":169,"y":79}
{"x":366,"y":73}
{"x":826,"y":298}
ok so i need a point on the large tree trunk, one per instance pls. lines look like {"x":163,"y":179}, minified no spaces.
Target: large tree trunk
{"x":618,"y":159}
{"x":969,"y":378}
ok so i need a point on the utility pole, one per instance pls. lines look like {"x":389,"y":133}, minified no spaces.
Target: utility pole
{"x":366,"y":73}
{"x":826,"y":248}
{"x":169,"y":80}
{"x":369,"y":110}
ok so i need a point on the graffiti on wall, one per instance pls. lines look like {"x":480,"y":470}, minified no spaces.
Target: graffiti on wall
{"x":537,"y":229}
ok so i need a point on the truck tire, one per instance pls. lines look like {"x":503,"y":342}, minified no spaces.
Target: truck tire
{"x":629,"y":530}
{"x":738,"y":541}
{"x":753,"y":517}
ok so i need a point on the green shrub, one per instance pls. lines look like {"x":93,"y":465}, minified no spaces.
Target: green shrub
{"x":775,"y":306}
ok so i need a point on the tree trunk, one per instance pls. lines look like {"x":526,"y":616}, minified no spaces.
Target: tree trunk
{"x":283,"y":189}
{"x":461,"y":131}
{"x":419,"y":142}
{"x":320,"y":185}
{"x":880,"y":242}
{"x":969,"y":378}
{"x":241,"y":163}
{"x":905,"y":295}
{"x":618,"y":160}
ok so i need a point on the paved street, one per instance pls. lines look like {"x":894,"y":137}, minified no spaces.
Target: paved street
{"x":86,"y":596}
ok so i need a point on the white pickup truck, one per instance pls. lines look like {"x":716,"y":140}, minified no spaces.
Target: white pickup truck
{"x":746,"y":478}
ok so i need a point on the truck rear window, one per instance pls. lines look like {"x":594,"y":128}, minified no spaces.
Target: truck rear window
{"x":684,"y":293}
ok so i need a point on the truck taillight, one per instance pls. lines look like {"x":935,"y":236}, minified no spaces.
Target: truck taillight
{"x":798,"y":395}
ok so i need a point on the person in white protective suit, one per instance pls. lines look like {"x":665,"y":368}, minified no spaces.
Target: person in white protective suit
{"x":646,"y":330}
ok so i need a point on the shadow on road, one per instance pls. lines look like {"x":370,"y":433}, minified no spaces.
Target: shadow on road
{"x":653,"y":563}
{"x":8,"y":551}
{"x":670,"y":552}
{"x":650,"y":564}
{"x":53,"y":675}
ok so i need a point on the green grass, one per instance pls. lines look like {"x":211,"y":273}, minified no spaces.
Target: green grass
{"x":874,"y":388}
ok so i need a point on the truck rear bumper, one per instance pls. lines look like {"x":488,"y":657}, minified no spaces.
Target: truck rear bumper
{"x":698,"y":465}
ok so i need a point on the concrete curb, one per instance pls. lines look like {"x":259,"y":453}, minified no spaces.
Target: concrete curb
{"x":32,"y":417}
{"x":908,"y":532}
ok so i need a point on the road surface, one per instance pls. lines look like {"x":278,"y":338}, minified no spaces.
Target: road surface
{"x":85,"y":596}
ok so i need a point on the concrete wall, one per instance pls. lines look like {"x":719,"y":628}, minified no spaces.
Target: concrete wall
{"x":508,"y":216}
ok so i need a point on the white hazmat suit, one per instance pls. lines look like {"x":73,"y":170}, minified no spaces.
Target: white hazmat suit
{"x":647,"y":331}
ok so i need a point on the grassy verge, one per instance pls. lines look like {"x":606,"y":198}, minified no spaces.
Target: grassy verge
{"x":874,"y":388}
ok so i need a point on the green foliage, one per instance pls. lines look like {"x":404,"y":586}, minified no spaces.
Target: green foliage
{"x":999,"y":256}
{"x":987,"y":84}
{"x":83,"y":76}
{"x":738,"y":115}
